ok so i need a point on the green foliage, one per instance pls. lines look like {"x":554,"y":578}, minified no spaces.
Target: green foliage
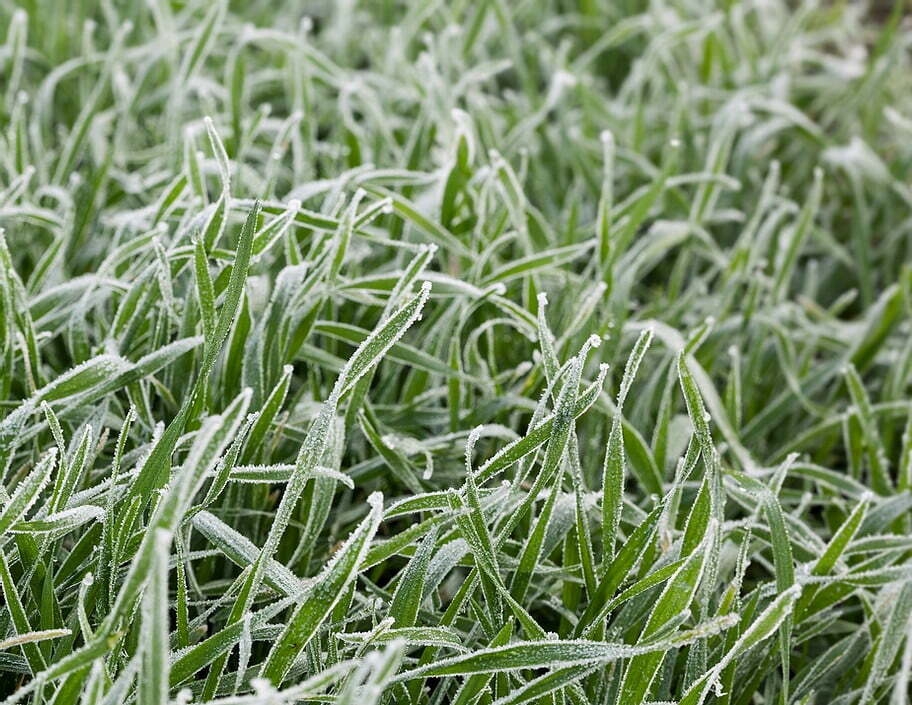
{"x":466,"y":352}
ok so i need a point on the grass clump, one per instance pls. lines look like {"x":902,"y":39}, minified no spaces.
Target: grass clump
{"x":467,"y":352}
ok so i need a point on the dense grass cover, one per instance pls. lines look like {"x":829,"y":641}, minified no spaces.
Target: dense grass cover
{"x":455,"y":352}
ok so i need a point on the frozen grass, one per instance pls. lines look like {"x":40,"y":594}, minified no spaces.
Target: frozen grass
{"x":455,"y":352}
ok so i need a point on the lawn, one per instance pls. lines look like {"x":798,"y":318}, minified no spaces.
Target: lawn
{"x":455,"y":352}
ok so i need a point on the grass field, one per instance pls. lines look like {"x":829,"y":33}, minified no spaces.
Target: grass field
{"x":464,"y":351}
